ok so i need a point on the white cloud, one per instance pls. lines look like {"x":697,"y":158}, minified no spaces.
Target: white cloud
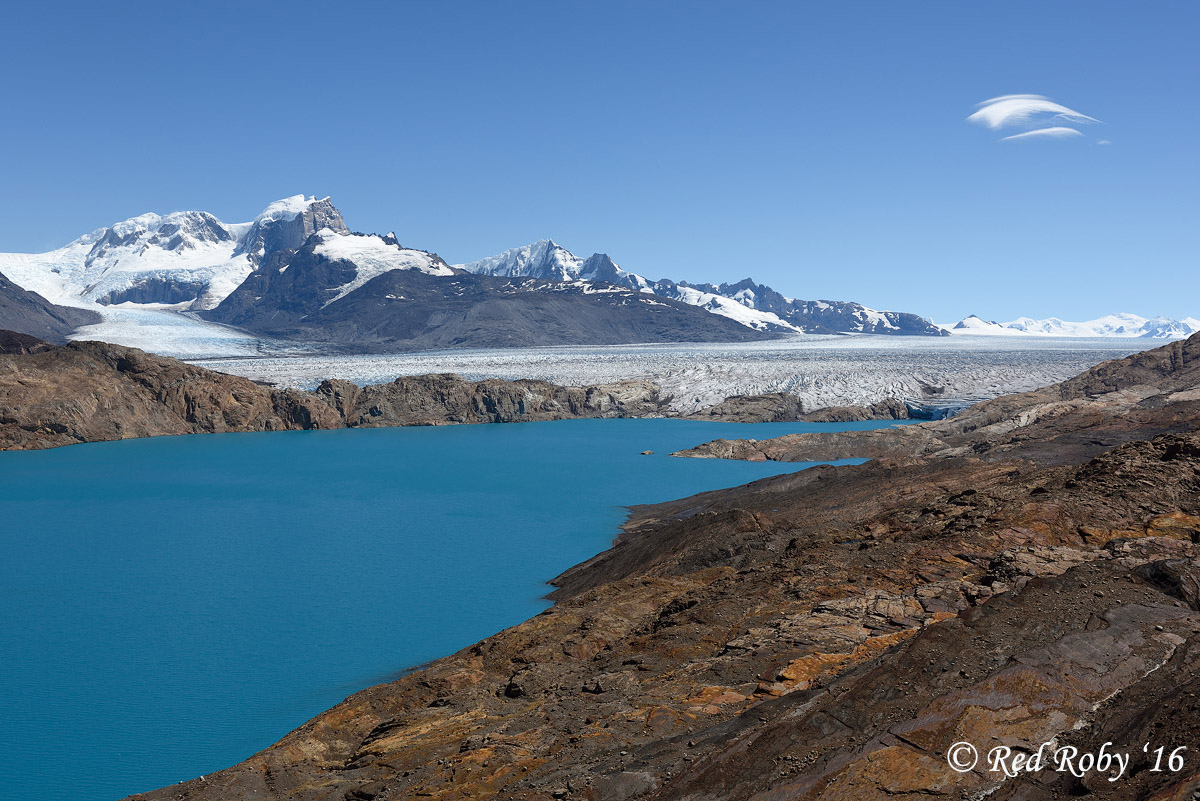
{"x":1038,"y":114}
{"x":1056,"y":132}
{"x":1011,"y":110}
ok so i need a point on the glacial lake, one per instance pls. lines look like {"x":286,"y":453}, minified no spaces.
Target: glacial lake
{"x":173,"y":605}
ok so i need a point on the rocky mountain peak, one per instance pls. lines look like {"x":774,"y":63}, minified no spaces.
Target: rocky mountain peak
{"x":599,"y":267}
{"x":287,"y":223}
{"x":745,"y":283}
{"x":544,"y":258}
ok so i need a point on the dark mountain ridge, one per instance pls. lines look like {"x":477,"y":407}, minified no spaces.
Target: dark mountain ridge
{"x":30,"y":313}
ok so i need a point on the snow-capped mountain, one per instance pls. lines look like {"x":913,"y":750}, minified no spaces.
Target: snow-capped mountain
{"x":326,"y":267}
{"x":185,"y":258}
{"x":750,"y":304}
{"x":370,"y":293}
{"x":548,"y":259}
{"x":1112,"y":325}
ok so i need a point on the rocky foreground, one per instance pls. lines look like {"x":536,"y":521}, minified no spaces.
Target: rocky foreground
{"x":1026,"y":573}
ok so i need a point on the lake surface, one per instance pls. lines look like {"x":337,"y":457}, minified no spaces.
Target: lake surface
{"x":173,"y":605}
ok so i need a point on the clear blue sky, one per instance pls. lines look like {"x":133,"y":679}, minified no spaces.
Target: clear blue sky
{"x":818,"y":147}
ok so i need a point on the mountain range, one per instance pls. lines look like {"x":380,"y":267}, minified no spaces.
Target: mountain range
{"x":753,"y":305}
{"x":370,"y":293}
{"x":297,"y":272}
{"x":1112,"y":325}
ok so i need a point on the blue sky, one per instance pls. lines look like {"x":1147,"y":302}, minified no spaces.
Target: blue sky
{"x":821,"y":148}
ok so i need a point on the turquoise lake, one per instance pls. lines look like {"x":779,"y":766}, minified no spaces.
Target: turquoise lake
{"x":173,"y":605}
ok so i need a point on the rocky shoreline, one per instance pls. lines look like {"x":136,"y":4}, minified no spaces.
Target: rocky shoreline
{"x":1025,"y":573}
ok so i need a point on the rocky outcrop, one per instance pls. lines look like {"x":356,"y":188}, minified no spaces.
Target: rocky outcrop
{"x":12,"y":343}
{"x":274,"y":234}
{"x":31,"y":314}
{"x":777,"y":407}
{"x":92,"y":391}
{"x":829,"y":634}
{"x":448,"y":399}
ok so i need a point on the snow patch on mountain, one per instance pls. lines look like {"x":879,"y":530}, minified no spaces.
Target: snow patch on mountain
{"x":373,"y":256}
{"x":289,"y":208}
{"x":52,"y":275}
{"x":729,"y":307}
{"x":875,"y":319}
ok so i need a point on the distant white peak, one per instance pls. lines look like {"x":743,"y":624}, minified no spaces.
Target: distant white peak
{"x":544,"y":258}
{"x":1112,"y":325}
{"x":289,"y":208}
{"x":974,"y":322}
{"x":545,"y":249}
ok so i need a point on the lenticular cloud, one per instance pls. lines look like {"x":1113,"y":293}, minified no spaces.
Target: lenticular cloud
{"x":1033,"y":113}
{"x":1056,"y":132}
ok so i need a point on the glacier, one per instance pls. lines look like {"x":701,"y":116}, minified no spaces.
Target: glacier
{"x":821,"y":370}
